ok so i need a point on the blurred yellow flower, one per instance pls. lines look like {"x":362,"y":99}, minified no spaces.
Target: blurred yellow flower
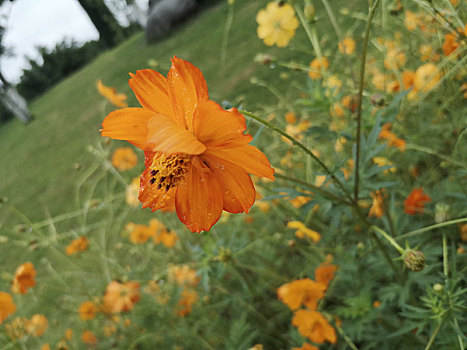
{"x":317,"y":66}
{"x":377,"y":207}
{"x":131,"y":193}
{"x":110,"y":93}
{"x":347,"y":46}
{"x":87,"y":310}
{"x":276,"y":24}
{"x":167,"y":238}
{"x":37,"y":325}
{"x":383,"y":161}
{"x":124,"y":158}
{"x":306,"y":346}
{"x":24,"y":278}
{"x":426,"y":77}
{"x":139,"y":233}
{"x":78,"y":245}
{"x":302,"y":231}
{"x":185,"y":304}
{"x":411,"y":20}
{"x":7,"y":306}
{"x":182,"y":275}
{"x":290,"y":118}
{"x":394,"y":59}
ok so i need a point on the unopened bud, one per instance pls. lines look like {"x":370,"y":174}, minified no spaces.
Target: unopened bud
{"x":225,"y":254}
{"x":441,"y":212}
{"x":438,"y":287}
{"x":414,"y":260}
{"x":264,"y":59}
{"x":309,"y":12}
{"x":377,"y":100}
{"x":231,"y":2}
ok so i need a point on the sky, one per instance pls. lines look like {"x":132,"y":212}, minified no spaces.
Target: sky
{"x":34,"y":23}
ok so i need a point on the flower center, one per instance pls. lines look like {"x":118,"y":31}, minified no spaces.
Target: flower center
{"x":169,"y":171}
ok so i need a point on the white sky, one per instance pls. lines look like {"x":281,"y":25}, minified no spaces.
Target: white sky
{"x":43,"y":23}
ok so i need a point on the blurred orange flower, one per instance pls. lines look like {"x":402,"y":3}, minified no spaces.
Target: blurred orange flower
{"x":78,"y":245}
{"x":87,"y":310}
{"x":167,"y":238}
{"x":197,"y":155}
{"x":124,"y":158}
{"x":24,"y":278}
{"x":37,"y":325}
{"x":317,"y":66}
{"x":377,"y":207}
{"x":139,"y":233}
{"x":110,"y":93}
{"x":415,"y":202}
{"x":7,"y":306}
{"x":324,"y":273}
{"x":393,"y":140}
{"x":427,"y":77}
{"x":89,"y":338}
{"x":182,"y":275}
{"x":185,"y":304}
{"x":131,"y":193}
{"x":314,"y":326}
{"x":303,"y":291}
{"x":121,"y":297}
{"x":450,"y":44}
{"x":276,"y":24}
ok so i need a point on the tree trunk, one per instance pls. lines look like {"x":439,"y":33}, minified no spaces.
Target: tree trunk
{"x":110,"y":32}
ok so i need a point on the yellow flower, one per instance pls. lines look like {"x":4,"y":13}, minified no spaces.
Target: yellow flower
{"x":188,"y":298}
{"x":347,"y":46}
{"x":383,"y":161}
{"x":167,"y":238}
{"x":394,"y":59}
{"x":131,"y":193}
{"x":276,"y":24}
{"x":124,"y":158}
{"x":182,"y":275}
{"x":316,"y":66}
{"x":290,"y":118}
{"x":110,"y":93}
{"x":377,"y":207}
{"x":37,"y":325}
{"x":426,"y":77}
{"x":302,"y":231}
{"x":332,"y":85}
{"x":411,"y":20}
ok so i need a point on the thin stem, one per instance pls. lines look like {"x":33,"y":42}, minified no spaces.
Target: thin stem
{"x":433,"y":336}
{"x":389,"y":239}
{"x":430,"y":151}
{"x":312,"y":35}
{"x":360,"y":93}
{"x":429,"y":228}
{"x":225,"y":39}
{"x":332,"y":18}
{"x":300,"y":145}
{"x":445,"y":258}
{"x":314,"y":188}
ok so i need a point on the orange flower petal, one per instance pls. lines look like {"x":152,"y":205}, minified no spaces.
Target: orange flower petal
{"x":238,"y":189}
{"x":252,"y":160}
{"x":199,"y":201}
{"x":128,"y":124}
{"x":186,"y":88}
{"x":150,"y":88}
{"x":165,"y":135}
{"x":151,"y":197}
{"x":216,"y":127}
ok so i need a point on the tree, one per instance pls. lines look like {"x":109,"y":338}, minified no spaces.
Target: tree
{"x":110,"y":32}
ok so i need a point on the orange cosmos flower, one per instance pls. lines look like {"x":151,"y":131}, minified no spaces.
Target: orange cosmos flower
{"x":87,"y":310}
{"x":197,"y":155}
{"x":347,"y":46}
{"x":124,"y":158}
{"x":89,"y":338}
{"x":7,"y":306}
{"x":316,"y":66}
{"x":24,"y":278}
{"x":324,"y":273}
{"x":377,"y":207}
{"x":182,"y":275}
{"x":306,"y":346}
{"x":450,"y":44}
{"x":77,"y":245}
{"x":110,"y":93}
{"x":303,"y":231}
{"x":314,"y":326}
{"x":121,"y":297}
{"x":185,"y":304}
{"x":304,"y":291}
{"x":415,"y":202}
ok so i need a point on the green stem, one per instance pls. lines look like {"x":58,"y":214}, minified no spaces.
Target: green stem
{"x":429,"y":228}
{"x":360,"y":93}
{"x":389,"y":239}
{"x":433,"y":336}
{"x":314,"y":188}
{"x":300,"y":145}
{"x":445,"y":258}
{"x":430,"y":151}
{"x":310,"y":32}
{"x":225,"y":39}
{"x":332,"y":18}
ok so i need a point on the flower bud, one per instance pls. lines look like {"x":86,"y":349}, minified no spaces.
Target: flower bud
{"x":441,"y":212}
{"x":377,"y":100}
{"x":309,"y":11}
{"x":438,"y":287}
{"x":414,"y":260}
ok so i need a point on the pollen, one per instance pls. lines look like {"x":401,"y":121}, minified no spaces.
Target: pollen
{"x":168,"y":171}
